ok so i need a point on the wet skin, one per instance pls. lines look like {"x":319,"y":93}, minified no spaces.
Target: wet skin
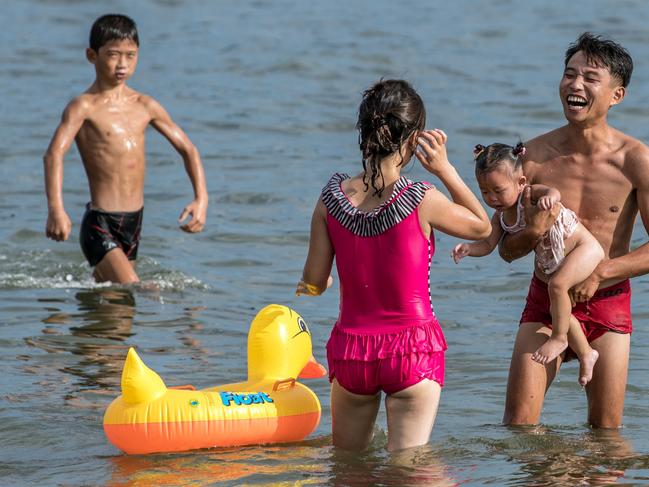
{"x":108,"y":122}
{"x":603,"y":176}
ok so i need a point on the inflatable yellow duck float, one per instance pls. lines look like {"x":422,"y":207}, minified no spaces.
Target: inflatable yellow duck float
{"x":270,"y":407}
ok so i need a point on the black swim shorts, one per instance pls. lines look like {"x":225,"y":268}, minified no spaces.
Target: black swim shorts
{"x":103,"y":231}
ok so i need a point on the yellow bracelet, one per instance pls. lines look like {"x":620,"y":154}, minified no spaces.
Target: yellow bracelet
{"x":311,"y":289}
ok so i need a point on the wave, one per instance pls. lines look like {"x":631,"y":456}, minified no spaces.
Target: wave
{"x":43,"y":270}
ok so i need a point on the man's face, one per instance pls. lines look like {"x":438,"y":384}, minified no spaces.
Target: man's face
{"x":587,"y":91}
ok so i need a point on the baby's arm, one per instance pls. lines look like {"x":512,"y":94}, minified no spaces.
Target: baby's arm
{"x":58,"y":224}
{"x":545,"y":196}
{"x":538,"y":222}
{"x":481,"y":247}
{"x":317,"y":269}
{"x":162,"y":122}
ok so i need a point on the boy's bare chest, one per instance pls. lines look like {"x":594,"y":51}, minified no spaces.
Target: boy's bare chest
{"x":109,"y":123}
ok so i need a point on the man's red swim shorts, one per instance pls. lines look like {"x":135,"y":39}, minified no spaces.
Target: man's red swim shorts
{"x":608,"y":310}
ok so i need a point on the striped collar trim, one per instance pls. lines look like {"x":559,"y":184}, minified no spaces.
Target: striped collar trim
{"x":406,"y":197}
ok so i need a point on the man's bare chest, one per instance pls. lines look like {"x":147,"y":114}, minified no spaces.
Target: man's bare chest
{"x":595,"y":190}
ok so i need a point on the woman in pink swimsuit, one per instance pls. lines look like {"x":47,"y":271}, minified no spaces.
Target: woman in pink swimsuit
{"x":566,"y":255}
{"x":379,"y":226}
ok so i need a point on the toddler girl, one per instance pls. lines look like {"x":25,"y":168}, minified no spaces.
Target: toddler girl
{"x":565,"y":256}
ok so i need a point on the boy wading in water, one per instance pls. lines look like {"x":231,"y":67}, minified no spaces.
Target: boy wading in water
{"x":108,"y":122}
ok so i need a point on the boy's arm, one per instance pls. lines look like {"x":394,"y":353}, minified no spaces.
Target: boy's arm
{"x":162,"y":122}
{"x":481,"y":247}
{"x":58,"y":224}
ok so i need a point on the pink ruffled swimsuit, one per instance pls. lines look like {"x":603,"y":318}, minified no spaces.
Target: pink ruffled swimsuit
{"x":550,"y":251}
{"x":387,"y":336}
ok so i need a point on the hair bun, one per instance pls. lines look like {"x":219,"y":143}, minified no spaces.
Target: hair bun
{"x":378,"y":121}
{"x":477,"y":150}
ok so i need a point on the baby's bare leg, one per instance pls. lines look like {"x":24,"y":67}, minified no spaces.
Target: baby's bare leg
{"x":560,"y":309}
{"x":576,"y":267}
{"x":587,"y":355}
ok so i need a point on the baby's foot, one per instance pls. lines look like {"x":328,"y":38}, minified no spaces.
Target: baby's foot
{"x":549,"y":350}
{"x":586,"y":364}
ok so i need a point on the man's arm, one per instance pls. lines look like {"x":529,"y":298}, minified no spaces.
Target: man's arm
{"x":58,"y":224}
{"x":162,"y":122}
{"x":636,"y":262}
{"x":538,"y":222}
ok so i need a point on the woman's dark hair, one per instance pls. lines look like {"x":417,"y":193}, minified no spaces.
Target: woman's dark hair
{"x":112,"y":27}
{"x":603,"y":53}
{"x":390,"y":112}
{"x":495,"y":155}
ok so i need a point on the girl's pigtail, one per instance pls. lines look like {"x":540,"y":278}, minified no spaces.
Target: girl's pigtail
{"x":519,"y":150}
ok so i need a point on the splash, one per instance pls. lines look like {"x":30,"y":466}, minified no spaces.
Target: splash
{"x":29,"y":269}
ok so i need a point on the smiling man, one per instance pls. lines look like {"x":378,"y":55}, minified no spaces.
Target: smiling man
{"x":603,"y":175}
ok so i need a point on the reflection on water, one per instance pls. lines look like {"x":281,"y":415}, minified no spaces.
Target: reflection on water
{"x":105,"y":320}
{"x":223,"y":466}
{"x":313,"y":462}
{"x":107,"y":312}
{"x":414,"y":466}
{"x":101,"y":328}
{"x":597,"y":457}
{"x":189,"y":334}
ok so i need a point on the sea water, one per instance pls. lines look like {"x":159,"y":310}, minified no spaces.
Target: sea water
{"x":269,"y":91}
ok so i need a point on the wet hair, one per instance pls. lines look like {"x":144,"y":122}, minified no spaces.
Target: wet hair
{"x":604,"y":53}
{"x":112,"y":27}
{"x":390,"y":112}
{"x":493,"y":156}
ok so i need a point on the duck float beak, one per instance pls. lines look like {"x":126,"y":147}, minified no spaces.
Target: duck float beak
{"x":312,"y":370}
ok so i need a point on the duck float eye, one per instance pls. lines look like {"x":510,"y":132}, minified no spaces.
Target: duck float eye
{"x":301,"y":323}
{"x":270,"y":407}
